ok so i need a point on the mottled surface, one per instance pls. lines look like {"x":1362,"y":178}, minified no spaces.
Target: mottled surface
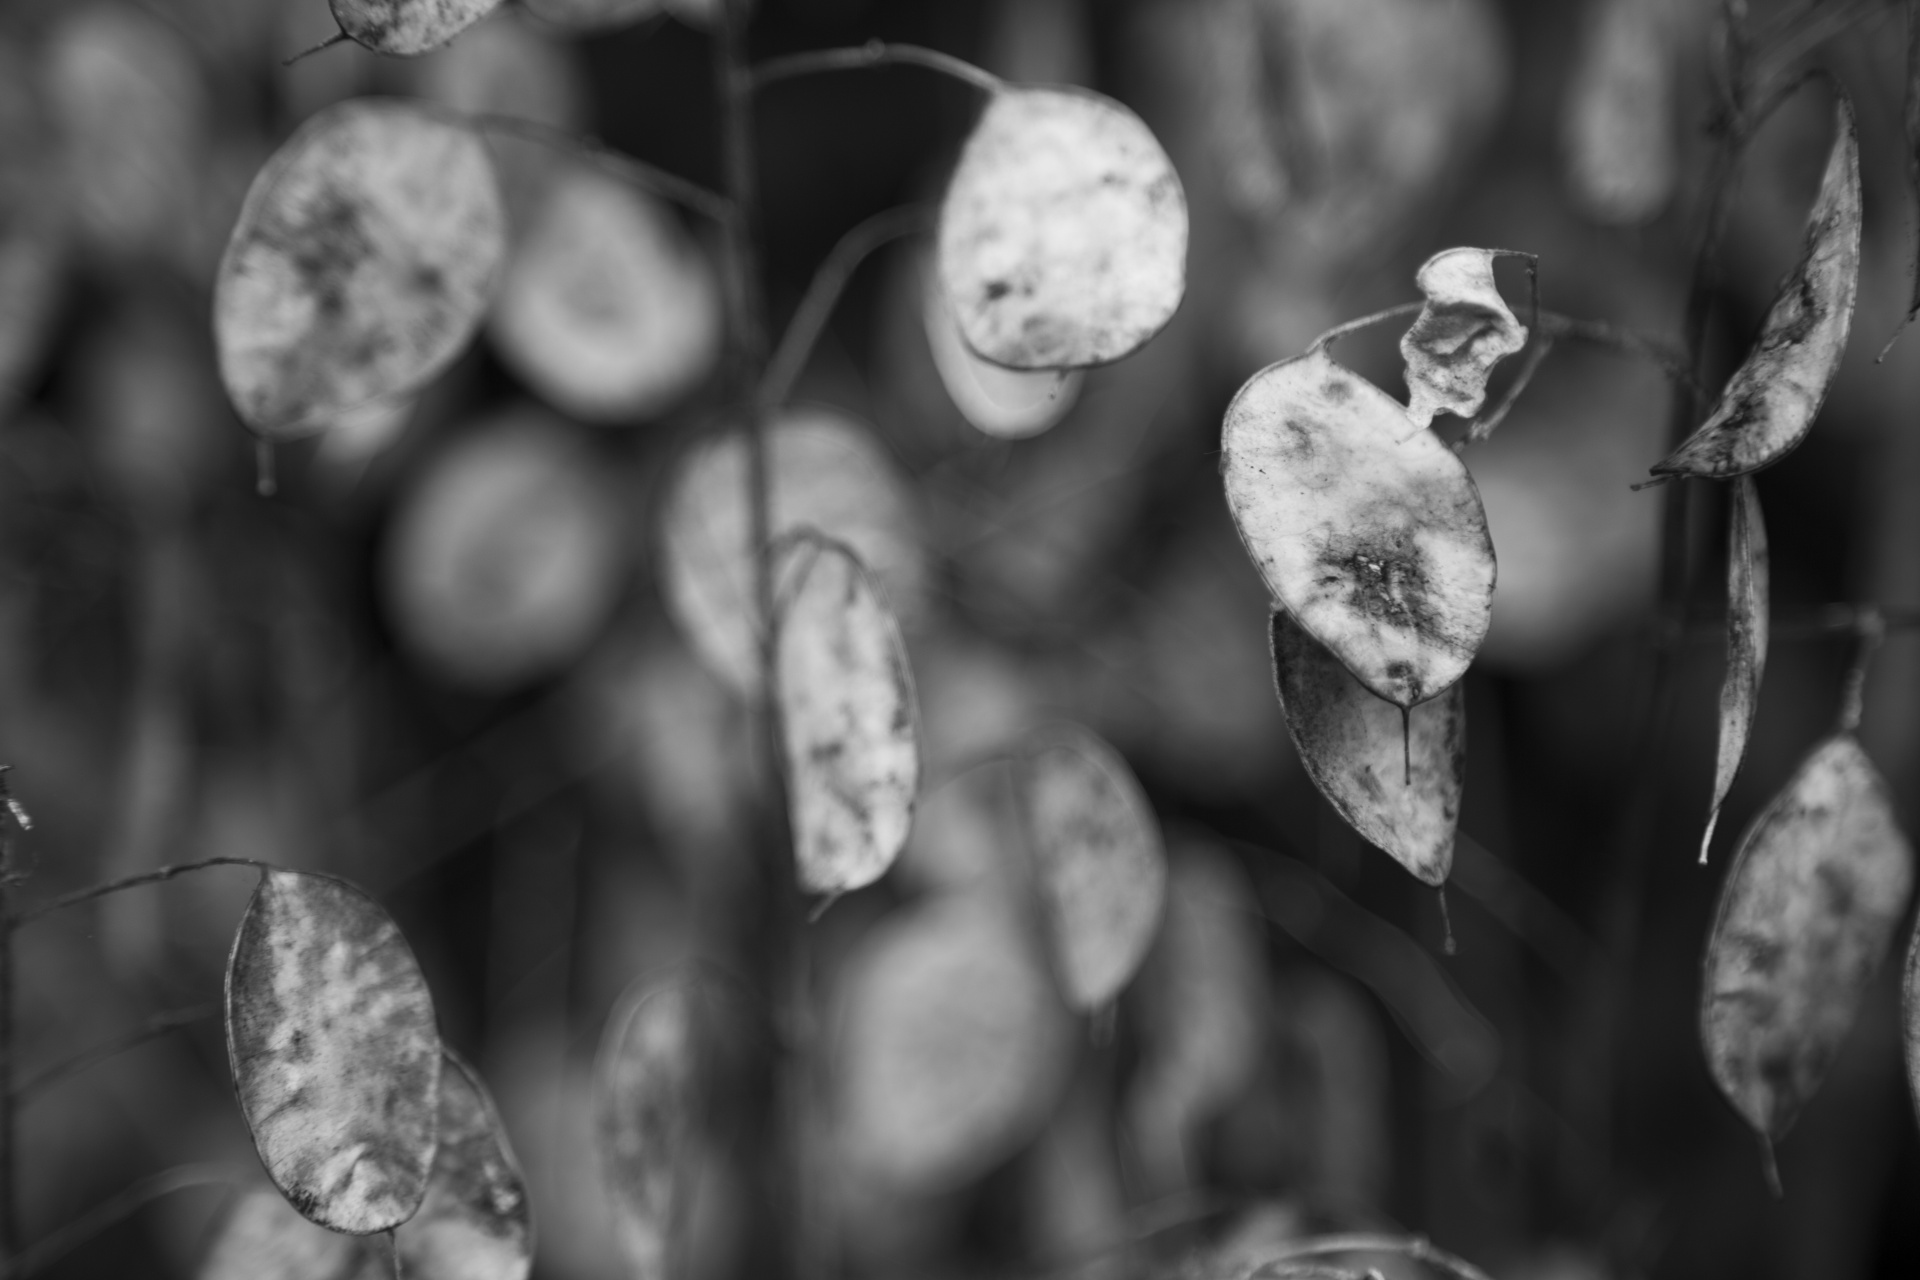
{"x":476,"y":1222}
{"x":607,"y":308}
{"x":1063,"y":235}
{"x":1770,"y":402}
{"x":1464,"y":330}
{"x":263,"y":1237}
{"x":1102,"y":871}
{"x":361,"y":263}
{"x":953,"y":1048}
{"x":1366,"y":528}
{"x":335,"y":1056}
{"x":826,"y":473}
{"x":1010,"y":404}
{"x":648,"y":1094}
{"x":402,"y":28}
{"x":1618,"y":128}
{"x":1747,"y":596}
{"x":1805,"y":918}
{"x":848,"y":720}
{"x":1397,"y":783}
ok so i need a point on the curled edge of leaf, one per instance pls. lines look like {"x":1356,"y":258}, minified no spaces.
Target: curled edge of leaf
{"x":1463,"y":331}
{"x":1747,"y":631}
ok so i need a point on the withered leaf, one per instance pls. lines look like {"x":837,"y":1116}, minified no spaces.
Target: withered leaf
{"x":1366,"y":528}
{"x":1397,"y":782}
{"x":335,"y":1056}
{"x":262,"y":1237}
{"x":1806,"y":915}
{"x":1101,"y":867}
{"x":359,"y":267}
{"x":848,"y":720}
{"x":476,"y":1222}
{"x":1063,"y":235}
{"x":1010,"y":404}
{"x":1747,"y":605}
{"x":1462,"y":332}
{"x":1770,"y":402}
{"x":402,"y":28}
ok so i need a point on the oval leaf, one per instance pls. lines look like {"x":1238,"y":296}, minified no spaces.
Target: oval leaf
{"x":1396,"y":781}
{"x":1808,"y":910}
{"x":1746,"y":642}
{"x":1063,"y":235}
{"x":1770,"y":402}
{"x":1460,"y":334}
{"x":335,"y":1057}
{"x":848,"y":720}
{"x":592,"y":16}
{"x":359,"y":267}
{"x":402,"y":28}
{"x":1009,"y":404}
{"x":1366,"y":527}
{"x":1102,"y":870}
{"x":476,"y":1222}
{"x":264,"y":1238}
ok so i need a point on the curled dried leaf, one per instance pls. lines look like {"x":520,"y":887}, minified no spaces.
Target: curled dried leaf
{"x":476,"y":1222}
{"x":1396,"y":781}
{"x":848,"y":719}
{"x":1102,"y":870}
{"x":1462,"y":332}
{"x":403,"y":28}
{"x":360,"y":265}
{"x":1747,"y":605}
{"x":1806,"y":915}
{"x":1365,"y":527}
{"x":335,"y":1057}
{"x":1010,"y":404}
{"x":1769,"y":404}
{"x":1063,"y":235}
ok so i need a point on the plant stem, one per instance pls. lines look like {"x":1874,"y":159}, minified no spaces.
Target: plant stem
{"x":874,"y":53}
{"x":51,"y":1248}
{"x":152,"y":1029}
{"x":101,"y":890}
{"x":668,"y":186}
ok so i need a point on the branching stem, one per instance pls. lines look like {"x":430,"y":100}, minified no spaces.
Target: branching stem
{"x":152,"y":1029}
{"x":618,"y":164}
{"x":874,"y":53}
{"x":106,"y":887}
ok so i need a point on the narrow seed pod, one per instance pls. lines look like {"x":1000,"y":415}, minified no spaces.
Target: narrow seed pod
{"x":262,"y":1237}
{"x":1009,"y":404}
{"x":476,"y":1222}
{"x":1100,"y":865}
{"x":1462,"y":332}
{"x":1395,"y":776}
{"x":1910,"y":1017}
{"x":1063,"y":235}
{"x":335,"y":1057}
{"x":1769,"y":404}
{"x":1366,"y":528}
{"x":848,"y":720}
{"x":403,"y":28}
{"x":360,"y":265}
{"x":1805,"y":918}
{"x":1747,"y":605}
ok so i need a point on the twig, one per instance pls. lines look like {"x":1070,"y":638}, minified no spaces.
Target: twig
{"x":1487,"y":423}
{"x":152,"y":1029}
{"x":668,"y":186}
{"x":1627,"y":341}
{"x":50,"y":1248}
{"x":338,"y":37}
{"x":1419,"y":1248}
{"x":101,"y":890}
{"x":1339,"y":331}
{"x":874,"y":53}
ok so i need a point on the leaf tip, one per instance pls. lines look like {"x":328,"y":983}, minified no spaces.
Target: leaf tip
{"x":1713,"y":820}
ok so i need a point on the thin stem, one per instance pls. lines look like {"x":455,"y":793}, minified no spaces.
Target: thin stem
{"x":1628,"y":342}
{"x":49,"y":1249}
{"x":338,"y":37}
{"x":158,"y":874}
{"x":874,"y":53}
{"x":152,"y":1029}
{"x":668,"y":186}
{"x":823,"y":293}
{"x":1487,"y":423}
{"x":1419,"y":1248}
{"x":1340,"y":331}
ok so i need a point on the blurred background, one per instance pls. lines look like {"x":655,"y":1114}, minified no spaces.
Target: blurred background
{"x":439,"y":662}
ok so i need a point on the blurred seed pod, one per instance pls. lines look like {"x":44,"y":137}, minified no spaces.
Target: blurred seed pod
{"x":1618,"y":128}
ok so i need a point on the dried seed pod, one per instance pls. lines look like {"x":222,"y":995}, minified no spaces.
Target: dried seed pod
{"x":1747,"y":606}
{"x":1462,"y":332}
{"x":262,"y":1237}
{"x":1009,"y":404}
{"x":476,"y":1222}
{"x":403,"y":28}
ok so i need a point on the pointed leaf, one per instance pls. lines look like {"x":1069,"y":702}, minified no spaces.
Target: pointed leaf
{"x":476,"y":1222}
{"x":335,"y":1057}
{"x":1770,"y":402}
{"x":1808,"y":910}
{"x":1063,"y":236}
{"x":402,"y":28}
{"x":1397,"y":782}
{"x":1009,"y":404}
{"x":649,"y":1092}
{"x":1366,"y":527}
{"x":1463,"y":331}
{"x":360,"y":265}
{"x":1747,"y":607}
{"x":263,"y":1237}
{"x":1101,"y":868}
{"x":848,"y":720}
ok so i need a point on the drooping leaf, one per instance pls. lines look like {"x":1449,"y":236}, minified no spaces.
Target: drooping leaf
{"x":824,"y":473}
{"x":1747,"y":605}
{"x":848,"y":720}
{"x":1063,"y":235}
{"x":1770,"y":402}
{"x":476,"y":1222}
{"x":1365,"y":526}
{"x":953,"y":1047}
{"x":403,"y":28}
{"x":263,"y":1237}
{"x":607,"y":308}
{"x":335,"y":1056}
{"x":1101,"y":868}
{"x":1618,"y":126}
{"x":1010,"y":404}
{"x":360,"y":266}
{"x":1806,"y":915}
{"x":1464,"y":330}
{"x":1396,"y":782}
{"x":506,"y":554}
